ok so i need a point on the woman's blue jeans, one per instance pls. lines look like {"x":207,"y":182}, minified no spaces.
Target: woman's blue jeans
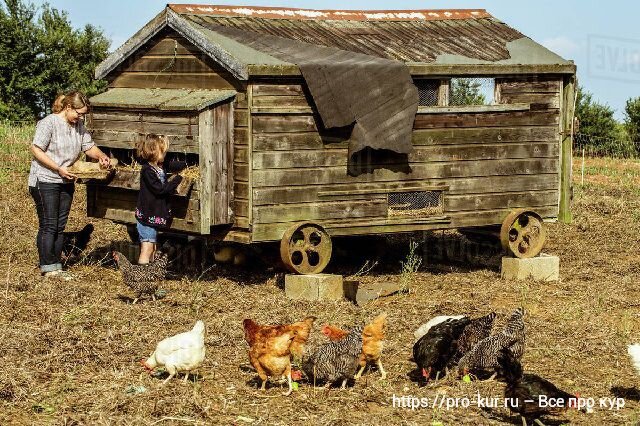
{"x":53,"y":203}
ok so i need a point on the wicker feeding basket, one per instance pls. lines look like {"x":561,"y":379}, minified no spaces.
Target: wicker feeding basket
{"x":88,"y":170}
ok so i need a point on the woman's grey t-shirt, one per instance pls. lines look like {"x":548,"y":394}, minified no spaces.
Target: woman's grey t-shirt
{"x":62,"y":142}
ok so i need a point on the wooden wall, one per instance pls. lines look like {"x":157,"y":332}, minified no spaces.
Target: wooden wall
{"x":486,"y":162}
{"x":241,"y":167}
{"x":118,"y":203}
{"x":171,"y":62}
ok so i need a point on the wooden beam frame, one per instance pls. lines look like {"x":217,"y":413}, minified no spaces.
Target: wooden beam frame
{"x":473,"y":108}
{"x":206,"y":127}
{"x":436,"y":70}
{"x":566,"y":146}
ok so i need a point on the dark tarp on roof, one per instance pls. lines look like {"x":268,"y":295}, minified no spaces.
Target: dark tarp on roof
{"x":376,"y":94}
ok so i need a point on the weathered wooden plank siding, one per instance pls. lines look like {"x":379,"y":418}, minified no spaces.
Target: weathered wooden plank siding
{"x":241,"y":152}
{"x":490,"y":162}
{"x":119,"y":204}
{"x":169,"y":61}
{"x":122,"y":128}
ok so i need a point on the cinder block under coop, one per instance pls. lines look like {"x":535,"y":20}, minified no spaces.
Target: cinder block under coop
{"x":360,"y":293}
{"x":544,"y":267}
{"x":314,"y":286}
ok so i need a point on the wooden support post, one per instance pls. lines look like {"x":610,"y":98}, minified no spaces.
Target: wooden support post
{"x":205,"y":131}
{"x":566,"y":145}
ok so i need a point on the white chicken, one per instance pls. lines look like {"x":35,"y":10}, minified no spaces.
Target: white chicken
{"x":424,"y":328}
{"x":182,"y":352}
{"x":634,"y":353}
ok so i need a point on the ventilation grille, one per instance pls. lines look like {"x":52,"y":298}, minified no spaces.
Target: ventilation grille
{"x":428,"y":92}
{"x":418,"y":204}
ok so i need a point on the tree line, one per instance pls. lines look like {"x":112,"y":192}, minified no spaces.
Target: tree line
{"x":42,"y":55}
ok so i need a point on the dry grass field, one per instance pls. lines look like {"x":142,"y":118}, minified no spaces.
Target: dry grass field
{"x":69,"y":351}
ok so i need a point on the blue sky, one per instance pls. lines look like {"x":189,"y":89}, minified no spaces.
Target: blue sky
{"x":602,"y":38}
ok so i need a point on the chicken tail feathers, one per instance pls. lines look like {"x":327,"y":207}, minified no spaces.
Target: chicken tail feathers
{"x":199,"y":327}
{"x":634,"y":354}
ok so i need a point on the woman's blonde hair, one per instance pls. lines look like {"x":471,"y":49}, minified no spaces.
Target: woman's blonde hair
{"x":149,"y":145}
{"x":75,"y":100}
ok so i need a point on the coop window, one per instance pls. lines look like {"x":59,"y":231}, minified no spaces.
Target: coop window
{"x":419,"y":203}
{"x":428,"y":91}
{"x":472,"y":91}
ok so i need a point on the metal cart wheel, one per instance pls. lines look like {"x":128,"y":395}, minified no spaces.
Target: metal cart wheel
{"x":522,"y":233}
{"x":305,"y":248}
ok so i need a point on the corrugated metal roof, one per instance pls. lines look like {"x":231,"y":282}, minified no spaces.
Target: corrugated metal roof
{"x":311,"y":14}
{"x":426,"y":40}
{"x":162,"y":99}
{"x":483,"y":39}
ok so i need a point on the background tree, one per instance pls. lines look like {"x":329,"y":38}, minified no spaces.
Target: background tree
{"x":632,"y":119}
{"x":18,"y":65}
{"x":595,"y":119}
{"x":41,"y":55}
{"x":466,"y":91}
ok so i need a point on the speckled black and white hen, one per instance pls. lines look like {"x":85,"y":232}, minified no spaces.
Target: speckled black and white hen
{"x":482,"y":359}
{"x":142,"y":279}
{"x":335,"y":361}
{"x":477,"y":330}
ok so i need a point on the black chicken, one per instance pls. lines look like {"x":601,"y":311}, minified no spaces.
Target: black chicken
{"x":76,"y":242}
{"x":523,"y":391}
{"x":433,"y":351}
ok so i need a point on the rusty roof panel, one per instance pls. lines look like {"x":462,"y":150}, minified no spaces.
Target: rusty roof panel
{"x":482,"y":39}
{"x":337,"y":15}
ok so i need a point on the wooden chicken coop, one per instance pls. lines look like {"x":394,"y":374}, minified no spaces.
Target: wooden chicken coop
{"x":490,"y":141}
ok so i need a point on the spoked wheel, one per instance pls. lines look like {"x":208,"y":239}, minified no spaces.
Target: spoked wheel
{"x":522,"y":233}
{"x":305,"y":248}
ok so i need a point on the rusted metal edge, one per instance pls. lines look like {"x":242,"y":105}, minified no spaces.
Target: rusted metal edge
{"x":319,"y":14}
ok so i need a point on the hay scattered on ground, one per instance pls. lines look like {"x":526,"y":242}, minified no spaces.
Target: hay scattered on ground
{"x":69,"y":351}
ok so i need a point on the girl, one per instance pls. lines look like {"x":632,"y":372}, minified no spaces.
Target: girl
{"x":153,"y":210}
{"x":58,"y":141}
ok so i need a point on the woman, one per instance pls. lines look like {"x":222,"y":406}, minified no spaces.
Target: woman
{"x":57,"y":143}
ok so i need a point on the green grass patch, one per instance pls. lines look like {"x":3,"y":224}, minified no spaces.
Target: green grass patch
{"x":15,"y":157}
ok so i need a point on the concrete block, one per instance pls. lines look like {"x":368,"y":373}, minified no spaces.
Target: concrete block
{"x":360,"y":293}
{"x":540,"y":268}
{"x":313,"y":287}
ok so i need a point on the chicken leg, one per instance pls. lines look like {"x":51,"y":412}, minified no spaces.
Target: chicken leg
{"x":382,"y":372}
{"x":359,"y":373}
{"x":287,"y":393}
{"x":172,"y":372}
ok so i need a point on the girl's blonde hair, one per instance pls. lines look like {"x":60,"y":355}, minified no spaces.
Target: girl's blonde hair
{"x":75,"y":100}
{"x":148,"y":146}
